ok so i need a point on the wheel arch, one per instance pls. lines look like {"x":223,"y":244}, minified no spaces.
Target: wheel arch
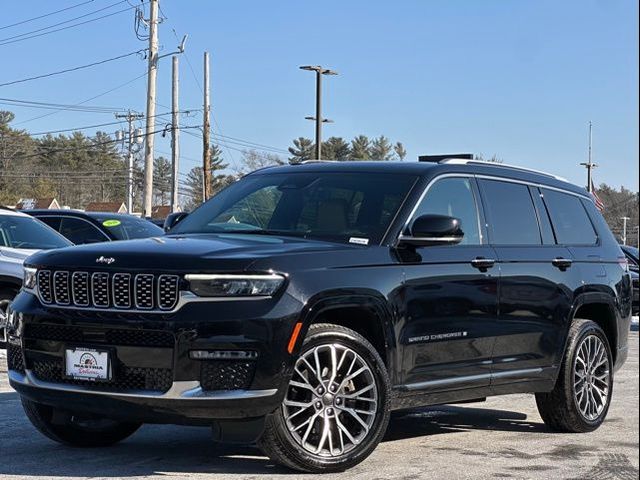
{"x":11,"y":283}
{"x":366,"y":312}
{"x":601,"y":309}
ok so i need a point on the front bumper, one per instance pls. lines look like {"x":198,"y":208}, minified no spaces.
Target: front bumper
{"x":155,"y":379}
{"x":185,"y":403}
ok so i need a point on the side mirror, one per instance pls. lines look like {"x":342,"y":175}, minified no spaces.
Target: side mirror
{"x":173,"y":219}
{"x":433,"y":230}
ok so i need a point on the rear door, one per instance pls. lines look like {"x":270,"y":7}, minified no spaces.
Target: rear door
{"x":536,"y":282}
{"x":450,"y":299}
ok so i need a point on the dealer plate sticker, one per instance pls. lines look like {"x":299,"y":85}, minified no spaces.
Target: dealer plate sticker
{"x":87,"y":364}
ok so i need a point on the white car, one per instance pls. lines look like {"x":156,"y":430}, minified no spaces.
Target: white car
{"x":20,"y":236}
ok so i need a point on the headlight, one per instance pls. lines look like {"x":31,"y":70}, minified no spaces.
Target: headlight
{"x":223,"y":285}
{"x":30,"y":278}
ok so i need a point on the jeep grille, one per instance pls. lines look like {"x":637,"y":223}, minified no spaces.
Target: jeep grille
{"x":102,"y":290}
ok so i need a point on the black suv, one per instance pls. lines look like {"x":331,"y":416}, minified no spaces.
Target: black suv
{"x":95,"y":227}
{"x":302,"y":304}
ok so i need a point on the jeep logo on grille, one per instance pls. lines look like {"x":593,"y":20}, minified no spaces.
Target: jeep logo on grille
{"x":107,"y":260}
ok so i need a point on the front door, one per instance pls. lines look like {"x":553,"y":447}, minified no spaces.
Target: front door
{"x":450,"y":298}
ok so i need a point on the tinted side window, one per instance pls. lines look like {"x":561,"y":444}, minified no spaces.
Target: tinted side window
{"x":453,"y":197}
{"x":510,"y":213}
{"x":53,"y":222}
{"x":80,"y":231}
{"x":569,"y":218}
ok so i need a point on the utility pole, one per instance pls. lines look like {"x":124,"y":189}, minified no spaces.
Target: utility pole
{"x":318,"y":118}
{"x":589,"y":164}
{"x":151,"y":108}
{"x":206,"y":132}
{"x":130,"y":117}
{"x":175,"y":134}
{"x":624,"y":229}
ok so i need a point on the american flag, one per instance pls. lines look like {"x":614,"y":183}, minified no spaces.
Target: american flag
{"x":596,"y":199}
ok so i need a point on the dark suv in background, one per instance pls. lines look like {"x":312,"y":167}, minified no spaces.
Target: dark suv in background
{"x":95,"y":227}
{"x":302,"y":304}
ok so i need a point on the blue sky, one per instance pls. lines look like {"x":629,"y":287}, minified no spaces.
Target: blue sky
{"x":518,"y":79}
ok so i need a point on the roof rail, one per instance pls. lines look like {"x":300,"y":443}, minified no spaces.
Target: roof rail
{"x":465,"y":161}
{"x":304,"y":162}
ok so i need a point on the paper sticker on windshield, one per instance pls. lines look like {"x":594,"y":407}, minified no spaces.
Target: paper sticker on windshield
{"x":359,"y":241}
{"x":111,"y":223}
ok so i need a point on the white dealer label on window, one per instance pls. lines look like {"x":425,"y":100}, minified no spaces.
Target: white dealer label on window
{"x":359,"y":241}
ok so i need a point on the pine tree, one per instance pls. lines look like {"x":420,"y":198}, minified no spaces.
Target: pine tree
{"x":381,"y":149}
{"x":162,"y":180}
{"x":360,"y":148}
{"x":400,"y":151}
{"x":335,"y":148}
{"x":301,"y":151}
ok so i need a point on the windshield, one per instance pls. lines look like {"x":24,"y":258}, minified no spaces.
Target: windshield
{"x":29,"y":233}
{"x":335,"y":206}
{"x":128,"y":228}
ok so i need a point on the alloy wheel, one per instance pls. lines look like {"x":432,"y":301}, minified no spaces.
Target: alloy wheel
{"x":592,"y":377}
{"x":332,"y":400}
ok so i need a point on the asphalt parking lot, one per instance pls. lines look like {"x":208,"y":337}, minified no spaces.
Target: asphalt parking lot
{"x":501,"y":438}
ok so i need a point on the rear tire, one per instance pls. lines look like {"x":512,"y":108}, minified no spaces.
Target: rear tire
{"x":77,"y":431}
{"x":331,"y":421}
{"x":581,"y":397}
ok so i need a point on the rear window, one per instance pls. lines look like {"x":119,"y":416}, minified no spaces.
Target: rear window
{"x":510,"y":213}
{"x":569,"y":218}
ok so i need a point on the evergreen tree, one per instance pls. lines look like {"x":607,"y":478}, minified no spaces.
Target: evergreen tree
{"x":381,"y":149}
{"x":360,"y":148}
{"x":401,"y":153}
{"x":301,"y":151}
{"x":335,"y":148}
{"x":162,"y":176}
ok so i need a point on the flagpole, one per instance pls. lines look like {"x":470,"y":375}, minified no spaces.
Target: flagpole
{"x":589,"y":164}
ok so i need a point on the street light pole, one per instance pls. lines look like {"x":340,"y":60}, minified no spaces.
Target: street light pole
{"x":318,"y":118}
{"x":624,"y":229}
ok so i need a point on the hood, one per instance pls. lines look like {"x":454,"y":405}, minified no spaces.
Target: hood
{"x":193,"y":253}
{"x":15,"y":254}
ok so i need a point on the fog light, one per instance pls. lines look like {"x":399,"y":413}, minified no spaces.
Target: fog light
{"x":223,"y":354}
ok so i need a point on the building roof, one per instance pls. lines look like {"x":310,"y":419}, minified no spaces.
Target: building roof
{"x":114,"y":207}
{"x":33,"y":203}
{"x":160,"y":211}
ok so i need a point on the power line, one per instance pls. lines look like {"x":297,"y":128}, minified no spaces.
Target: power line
{"x":34,"y":34}
{"x":47,"y":105}
{"x":87,"y":127}
{"x":128,"y":82}
{"x":45,"y":15}
{"x":74,"y":68}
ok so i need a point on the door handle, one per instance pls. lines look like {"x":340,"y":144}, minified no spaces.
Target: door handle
{"x":562,"y":263}
{"x":483,"y":264}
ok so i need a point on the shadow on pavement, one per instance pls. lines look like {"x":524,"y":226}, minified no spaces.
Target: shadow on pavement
{"x":176,"y":450}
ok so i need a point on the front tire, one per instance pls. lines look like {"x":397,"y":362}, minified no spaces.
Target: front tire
{"x":581,"y":397}
{"x":77,"y":431}
{"x":336,"y":409}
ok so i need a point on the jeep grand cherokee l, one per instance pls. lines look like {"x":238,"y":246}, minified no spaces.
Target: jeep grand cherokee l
{"x":302,"y":304}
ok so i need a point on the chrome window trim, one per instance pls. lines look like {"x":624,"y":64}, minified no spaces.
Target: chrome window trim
{"x":481,"y":176}
{"x":113,"y":289}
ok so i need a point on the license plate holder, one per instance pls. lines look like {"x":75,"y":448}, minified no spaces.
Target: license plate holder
{"x":89,"y":364}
